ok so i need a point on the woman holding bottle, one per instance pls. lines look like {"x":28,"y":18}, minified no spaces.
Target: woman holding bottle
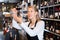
{"x":35,"y":27}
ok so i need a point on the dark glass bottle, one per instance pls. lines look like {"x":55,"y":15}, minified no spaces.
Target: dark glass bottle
{"x":47,"y":25}
{"x":15,"y":37}
{"x":11,"y":38}
{"x":56,"y":15}
{"x":57,"y":28}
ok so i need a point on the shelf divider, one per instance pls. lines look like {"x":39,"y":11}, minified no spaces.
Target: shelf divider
{"x":52,"y":32}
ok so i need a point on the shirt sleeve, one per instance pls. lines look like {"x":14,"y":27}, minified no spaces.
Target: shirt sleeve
{"x":33,"y":32}
{"x":28,"y":30}
{"x":40,"y":29}
{"x":15,"y":24}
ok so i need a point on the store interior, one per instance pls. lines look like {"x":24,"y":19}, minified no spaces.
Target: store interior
{"x":49,"y":12}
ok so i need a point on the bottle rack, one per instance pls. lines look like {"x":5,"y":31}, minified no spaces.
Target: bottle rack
{"x":50,"y":13}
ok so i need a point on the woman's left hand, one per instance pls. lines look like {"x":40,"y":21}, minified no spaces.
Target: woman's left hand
{"x":14,"y":15}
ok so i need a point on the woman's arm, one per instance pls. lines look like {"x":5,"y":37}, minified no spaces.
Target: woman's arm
{"x":27,"y":29}
{"x":16,"y":18}
{"x":15,"y":24}
{"x":38,"y":29}
{"x":14,"y":15}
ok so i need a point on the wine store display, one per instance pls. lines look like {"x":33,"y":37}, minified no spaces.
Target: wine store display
{"x":50,"y":13}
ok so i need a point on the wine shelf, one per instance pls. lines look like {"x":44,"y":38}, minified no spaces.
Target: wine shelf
{"x":50,"y":19}
{"x":50,"y":6}
{"x":52,"y":32}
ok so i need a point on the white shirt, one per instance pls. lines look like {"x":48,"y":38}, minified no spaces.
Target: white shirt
{"x":15,"y":24}
{"x":38,"y":30}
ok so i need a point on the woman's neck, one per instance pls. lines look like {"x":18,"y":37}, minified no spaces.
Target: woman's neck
{"x":33,"y":20}
{"x":32,"y":23}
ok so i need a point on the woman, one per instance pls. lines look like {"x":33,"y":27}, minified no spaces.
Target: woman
{"x":35,"y":27}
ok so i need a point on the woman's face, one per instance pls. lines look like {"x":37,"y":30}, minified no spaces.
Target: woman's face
{"x":31,"y":13}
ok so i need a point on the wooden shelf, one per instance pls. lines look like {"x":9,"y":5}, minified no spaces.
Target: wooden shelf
{"x":49,"y":6}
{"x":50,"y":19}
{"x":52,"y":32}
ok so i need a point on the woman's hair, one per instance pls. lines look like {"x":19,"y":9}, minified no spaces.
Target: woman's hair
{"x":36,"y":10}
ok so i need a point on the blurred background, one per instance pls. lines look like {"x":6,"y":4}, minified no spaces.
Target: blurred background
{"x":49,"y":11}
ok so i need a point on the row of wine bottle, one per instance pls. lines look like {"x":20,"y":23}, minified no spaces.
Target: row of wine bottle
{"x":49,"y":36}
{"x":50,"y":13}
{"x":49,"y":2}
{"x":53,"y":26}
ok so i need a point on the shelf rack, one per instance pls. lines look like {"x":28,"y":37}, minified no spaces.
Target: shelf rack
{"x":50,"y":6}
{"x":50,"y":19}
{"x":52,"y":32}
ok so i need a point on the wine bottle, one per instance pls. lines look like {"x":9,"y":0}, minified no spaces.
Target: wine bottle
{"x":11,"y":38}
{"x":15,"y":37}
{"x":59,"y":15}
{"x":58,"y":1}
{"x":42,"y":4}
{"x":56,"y":37}
{"x":45,"y":3}
{"x":57,"y":28}
{"x":56,"y":15}
{"x":55,"y":1}
{"x":51,"y":2}
{"x":52,"y":16}
{"x":51,"y":39}
{"x":47,"y":25}
{"x":46,"y":15}
{"x":46,"y":36}
{"x":51,"y":28}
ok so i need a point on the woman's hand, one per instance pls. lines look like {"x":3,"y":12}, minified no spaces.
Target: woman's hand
{"x":14,"y":15}
{"x":14,"y":10}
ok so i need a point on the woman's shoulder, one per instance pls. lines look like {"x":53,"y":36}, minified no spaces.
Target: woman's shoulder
{"x":41,"y":22}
